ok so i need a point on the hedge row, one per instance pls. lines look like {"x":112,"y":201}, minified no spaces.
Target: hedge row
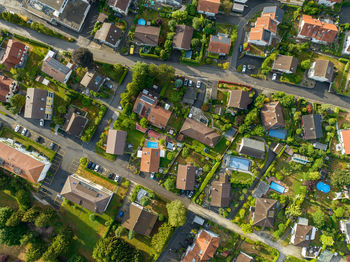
{"x":123,"y":76}
{"x":149,"y":55}
{"x":30,"y":41}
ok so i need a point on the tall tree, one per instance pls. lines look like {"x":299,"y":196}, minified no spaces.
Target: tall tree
{"x":176,"y":213}
{"x":82,"y":57}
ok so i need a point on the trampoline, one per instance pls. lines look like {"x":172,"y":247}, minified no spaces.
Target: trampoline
{"x":141,"y":21}
{"x":323,"y":187}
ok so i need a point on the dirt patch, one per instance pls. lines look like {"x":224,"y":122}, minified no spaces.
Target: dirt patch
{"x":344,"y":117}
{"x":15,"y":252}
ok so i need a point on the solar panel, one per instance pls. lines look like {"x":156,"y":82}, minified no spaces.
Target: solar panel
{"x":147,"y":100}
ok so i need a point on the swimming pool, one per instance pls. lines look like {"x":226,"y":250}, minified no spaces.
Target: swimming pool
{"x":277,"y":187}
{"x":141,"y":21}
{"x":239,"y":163}
{"x":323,"y":187}
{"x":151,"y":144}
{"x":279,"y":133}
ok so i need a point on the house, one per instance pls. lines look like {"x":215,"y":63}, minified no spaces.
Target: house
{"x":239,"y":99}
{"x":302,"y":233}
{"x":39,"y":104}
{"x":260,"y":37}
{"x":285,"y":64}
{"x":200,"y":132}
{"x":345,"y":229}
{"x":252,"y":147}
{"x":69,"y":13}
{"x":56,"y":70}
{"x":238,"y":8}
{"x":75,"y":123}
{"x":139,"y":219}
{"x":312,"y":126}
{"x":219,"y":44}
{"x":29,"y":165}
{"x":146,"y":106}
{"x":92,"y":80}
{"x":221,"y":191}
{"x":208,"y":7}
{"x":120,"y":6}
{"x":295,"y":2}
{"x":327,"y":256}
{"x":150,"y":160}
{"x":146,"y":35}
{"x":86,"y":194}
{"x":109,"y":34}
{"x":273,"y":12}
{"x":186,"y":175}
{"x":15,"y":54}
{"x":300,"y":159}
{"x":264,"y":212}
{"x":116,"y":141}
{"x":344,"y":140}
{"x":8,"y":87}
{"x":189,"y":96}
{"x":316,"y":30}
{"x":272,"y":115}
{"x":329,"y":3}
{"x":321,"y":70}
{"x":203,"y":248}
{"x":182,"y":38}
{"x":243,"y":257}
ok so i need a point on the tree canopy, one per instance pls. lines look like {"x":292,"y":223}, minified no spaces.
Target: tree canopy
{"x":176,"y":213}
{"x":82,"y":57}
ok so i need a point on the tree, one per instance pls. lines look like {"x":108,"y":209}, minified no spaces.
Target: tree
{"x":144,"y":201}
{"x":45,"y":217}
{"x":326,"y":240}
{"x":259,"y":101}
{"x":120,"y":231}
{"x":176,"y":213}
{"x":169,"y":183}
{"x":293,"y":210}
{"x":191,"y":9}
{"x":172,"y":24}
{"x":247,"y":228}
{"x":131,"y":234}
{"x":319,"y":218}
{"x":195,"y":42}
{"x":15,"y":219}
{"x":59,"y":246}
{"x":77,"y":258}
{"x":161,"y":237}
{"x":82,"y":57}
{"x":5,"y":214}
{"x":339,"y":212}
{"x":227,"y":6}
{"x":180,"y":15}
{"x":340,"y":178}
{"x":35,"y":252}
{"x":62,"y":109}
{"x":17,"y":102}
{"x":185,"y":152}
{"x":306,"y":64}
{"x":144,"y":122}
{"x":197,"y":22}
{"x":118,"y":69}
{"x":313,"y":175}
{"x":206,"y":168}
{"x":299,"y":131}
{"x":259,"y":130}
{"x":92,"y":217}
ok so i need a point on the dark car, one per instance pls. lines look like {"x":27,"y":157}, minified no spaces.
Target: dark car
{"x":38,"y":139}
{"x":240,"y":48}
{"x":89,"y":164}
{"x":111,"y":176}
{"x":206,"y":150}
{"x":212,"y":18}
{"x":52,"y":145}
{"x":93,"y":166}
{"x":118,"y":15}
{"x":121,"y":214}
{"x":186,"y":82}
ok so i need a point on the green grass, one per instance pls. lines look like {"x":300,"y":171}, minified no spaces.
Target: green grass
{"x":100,"y":151}
{"x":108,"y":70}
{"x":8,"y":133}
{"x":176,"y":122}
{"x":220,"y":146}
{"x":7,"y":200}
{"x":134,"y":137}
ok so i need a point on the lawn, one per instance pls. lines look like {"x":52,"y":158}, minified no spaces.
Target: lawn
{"x":7,"y":200}
{"x":108,"y":70}
{"x":36,"y":55}
{"x":220,"y":146}
{"x":142,"y":243}
{"x":134,"y":137}
{"x":25,"y":141}
{"x":176,"y":122}
{"x":100,"y":151}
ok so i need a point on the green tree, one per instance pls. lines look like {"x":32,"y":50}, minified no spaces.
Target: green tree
{"x":15,"y":219}
{"x":77,"y":258}
{"x":172,"y":24}
{"x":35,"y":252}
{"x":319,"y":218}
{"x":131,"y":234}
{"x":227,"y":6}
{"x":59,"y":246}
{"x":180,"y":15}
{"x":339,"y":212}
{"x":293,"y":210}
{"x":62,"y":109}
{"x":176,"y":213}
{"x":206,"y":168}
{"x":340,"y":178}
{"x":92,"y":217}
{"x":185,"y":152}
{"x":326,"y":240}
{"x":144,"y":122}
{"x":17,"y":102}
{"x":82,"y":57}
{"x":161,"y":237}
{"x":169,"y":183}
{"x":195,"y":42}
{"x":313,"y":175}
{"x":197,"y":22}
{"x":299,"y":131}
{"x":144,"y":201}
{"x":120,"y":231}
{"x":306,"y":64}
{"x":5,"y":214}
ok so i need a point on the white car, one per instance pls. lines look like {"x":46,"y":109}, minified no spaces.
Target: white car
{"x":274,"y":77}
{"x":117,"y":178}
{"x":24,"y":131}
{"x":17,"y":128}
{"x":190,"y":83}
{"x":41,"y":122}
{"x":244,"y":69}
{"x":199,"y":84}
{"x":97,"y":167}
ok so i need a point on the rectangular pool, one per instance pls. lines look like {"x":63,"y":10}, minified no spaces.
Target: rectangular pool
{"x":277,"y":187}
{"x":239,"y":163}
{"x":151,"y":144}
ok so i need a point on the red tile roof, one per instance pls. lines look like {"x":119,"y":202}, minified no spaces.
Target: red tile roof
{"x":209,"y":6}
{"x":13,"y":53}
{"x":346,"y":140}
{"x":266,"y":22}
{"x":317,"y":29}
{"x":5,"y":84}
{"x":150,"y":160}
{"x":217,"y":46}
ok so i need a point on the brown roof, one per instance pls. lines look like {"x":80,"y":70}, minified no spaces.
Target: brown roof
{"x":317,"y":29}
{"x":183,"y":36}
{"x":55,"y":69}
{"x":186,"y":175}
{"x":159,"y":117}
{"x":272,"y":115}
{"x":35,"y":103}
{"x":150,"y":160}
{"x":92,"y":80}
{"x":243,"y":257}
{"x":13,"y":54}
{"x":219,"y":44}
{"x":139,"y":219}
{"x":266,"y":22}
{"x":264,"y":214}
{"x":87,"y":194}
{"x":285,"y":63}
{"x":302,"y":235}
{"x":239,"y":99}
{"x":146,"y":35}
{"x":116,"y":141}
{"x":221,"y":192}
{"x":121,"y":4}
{"x":109,"y":33}
{"x":200,"y":132}
{"x":102,"y":17}
{"x":204,"y":247}
{"x":323,"y":68}
{"x":210,"y":6}
{"x":75,"y":124}
{"x":19,"y":163}
{"x":5,"y":87}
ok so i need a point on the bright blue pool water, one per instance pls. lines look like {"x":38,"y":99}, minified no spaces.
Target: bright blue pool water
{"x":323,"y":187}
{"x":152,"y":144}
{"x":239,"y":163}
{"x":280,"y":189}
{"x":279,"y":133}
{"x":141,"y":21}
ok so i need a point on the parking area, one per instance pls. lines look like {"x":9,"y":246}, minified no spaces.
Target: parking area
{"x":252,"y":64}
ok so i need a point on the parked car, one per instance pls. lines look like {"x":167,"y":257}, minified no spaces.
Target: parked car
{"x":274,"y":77}
{"x":240,"y":48}
{"x":244,"y":69}
{"x":212,"y":18}
{"x":89,"y":164}
{"x":152,"y":176}
{"x":17,"y":128}
{"x":117,"y":178}
{"x":111,"y":176}
{"x":190,"y":194}
{"x":41,"y":122}
{"x":118,"y":15}
{"x":251,"y":67}
{"x":38,"y":139}
{"x":93,"y":166}
{"x":190,"y":83}
{"x":24,"y":131}
{"x":121,"y":214}
{"x":52,"y":145}
{"x":186,"y":82}
{"x":199,"y":84}
{"x":97,"y":168}
{"x":132,"y":48}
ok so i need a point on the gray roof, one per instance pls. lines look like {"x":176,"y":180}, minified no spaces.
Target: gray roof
{"x":252,"y":147}
{"x":274,"y":9}
{"x":312,"y":126}
{"x":92,"y":80}
{"x":55,"y":69}
{"x":189,"y":96}
{"x":266,"y":36}
{"x":54,"y":4}
{"x":221,"y":38}
{"x":116,"y":141}
{"x":109,"y":33}
{"x":328,"y":256}
{"x":75,"y":124}
{"x":35,"y":103}
{"x":261,"y":189}
{"x":74,"y":13}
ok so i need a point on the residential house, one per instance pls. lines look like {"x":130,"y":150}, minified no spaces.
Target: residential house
{"x":120,"y":6}
{"x":302,"y":233}
{"x":273,"y":12}
{"x":316,"y":30}
{"x":29,"y":165}
{"x":86,"y":194}
{"x":238,"y":8}
{"x":75,"y":123}
{"x":39,"y":104}
{"x":272,"y":115}
{"x":327,"y":256}
{"x":109,"y":34}
{"x":329,"y":3}
{"x":208,"y":7}
{"x":221,"y":191}
{"x":182,"y":38}
{"x":200,"y":132}
{"x":312,"y":125}
{"x":295,"y":2}
{"x":344,"y":140}
{"x":264,"y":212}
{"x":243,"y":257}
{"x":15,"y":54}
{"x":219,"y":44}
{"x":146,"y":106}
{"x":300,"y":159}
{"x":150,"y":160}
{"x":321,"y":70}
{"x":239,"y":99}
{"x":186,"y":176}
{"x":116,"y":141}
{"x":345,"y":229}
{"x":8,"y":87}
{"x":146,"y":35}
{"x":92,"y":80}
{"x":285,"y":64}
{"x":203,"y":248}
{"x":252,"y":147}
{"x":56,"y":70}
{"x":189,"y":96}
{"x":139,"y":219}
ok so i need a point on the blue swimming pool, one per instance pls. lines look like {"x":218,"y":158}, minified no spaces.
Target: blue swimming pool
{"x":152,"y":144}
{"x":141,"y":21}
{"x":323,"y":187}
{"x":277,"y":187}
{"x":279,"y":133}
{"x":239,"y":163}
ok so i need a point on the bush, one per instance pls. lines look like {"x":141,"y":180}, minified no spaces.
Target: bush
{"x":92,"y":217}
{"x":160,"y":239}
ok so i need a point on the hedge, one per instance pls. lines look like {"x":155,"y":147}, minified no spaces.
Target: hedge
{"x":149,"y":55}
{"x":136,"y":190}
{"x":101,"y":176}
{"x":123,"y":76}
{"x":30,"y":41}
